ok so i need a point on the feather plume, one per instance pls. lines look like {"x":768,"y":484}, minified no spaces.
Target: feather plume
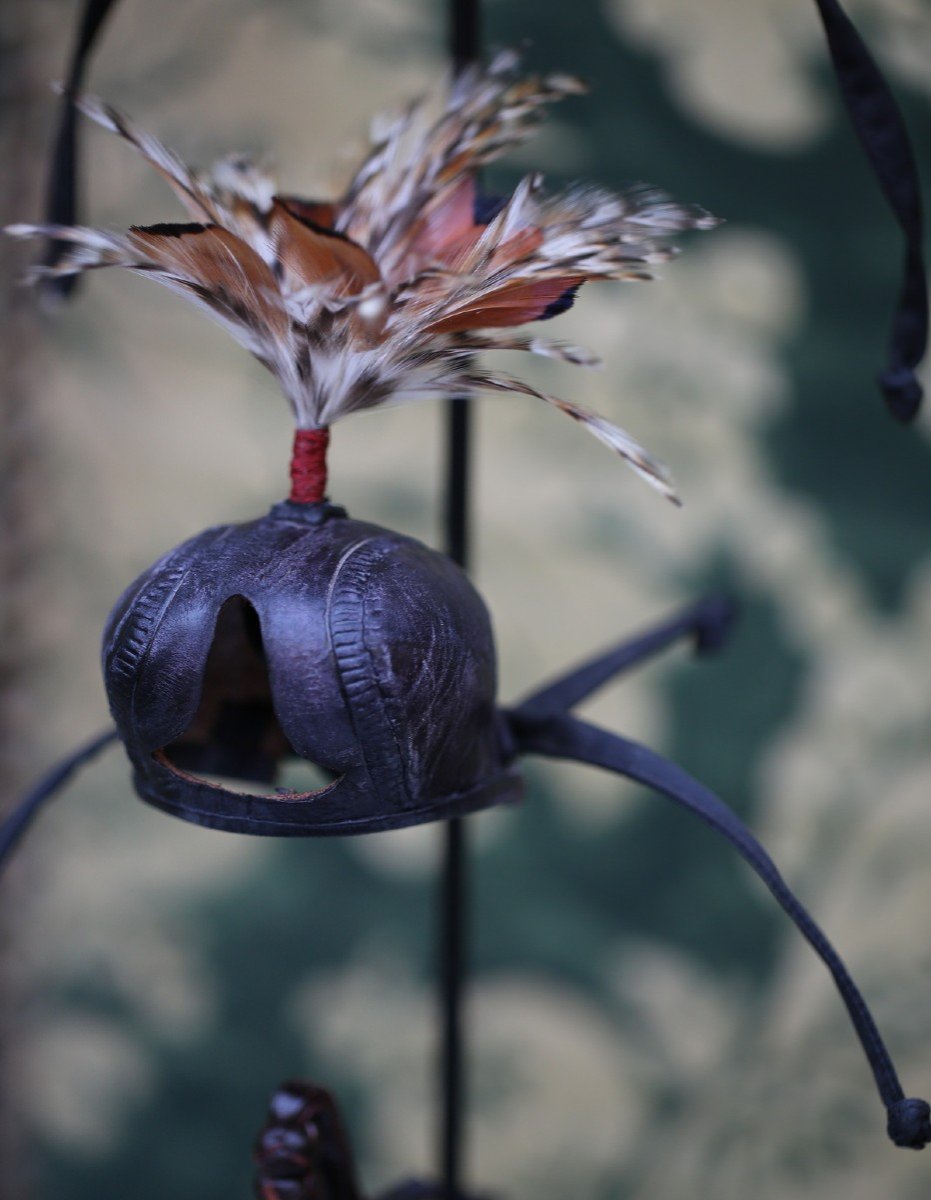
{"x":386,"y":294}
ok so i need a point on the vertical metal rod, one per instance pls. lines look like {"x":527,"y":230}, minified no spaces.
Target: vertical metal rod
{"x":464,"y":44}
{"x":452,"y":979}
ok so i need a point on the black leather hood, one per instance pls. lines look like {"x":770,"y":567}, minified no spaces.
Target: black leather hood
{"x":310,"y":634}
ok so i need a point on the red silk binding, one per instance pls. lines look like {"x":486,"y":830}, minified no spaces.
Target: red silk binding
{"x":308,"y":465}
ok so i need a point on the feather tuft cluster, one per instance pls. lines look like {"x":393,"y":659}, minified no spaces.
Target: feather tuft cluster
{"x":386,"y":294}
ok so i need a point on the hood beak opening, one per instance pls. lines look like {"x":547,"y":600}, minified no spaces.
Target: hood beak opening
{"x":234,"y":737}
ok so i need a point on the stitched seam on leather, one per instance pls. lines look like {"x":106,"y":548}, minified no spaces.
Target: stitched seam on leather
{"x":357,"y":675}
{"x":142,"y":609}
{"x":155,"y":573}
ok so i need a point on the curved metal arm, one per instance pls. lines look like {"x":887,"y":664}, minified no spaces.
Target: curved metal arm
{"x":908,"y":1120}
{"x":51,"y":783}
{"x":709,"y":622}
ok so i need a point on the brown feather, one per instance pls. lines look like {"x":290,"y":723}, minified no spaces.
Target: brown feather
{"x":319,"y":213}
{"x":445,"y":222}
{"x":219,"y":263}
{"x":516,"y":248}
{"x":388,"y":293}
{"x":314,"y":257}
{"x":514,"y":304}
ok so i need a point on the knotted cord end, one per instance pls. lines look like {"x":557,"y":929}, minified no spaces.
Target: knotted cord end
{"x":714,"y":624}
{"x":902,"y":392}
{"x":909,"y":1123}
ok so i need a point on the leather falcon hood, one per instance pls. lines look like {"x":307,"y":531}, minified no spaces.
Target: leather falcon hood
{"x":307,"y":634}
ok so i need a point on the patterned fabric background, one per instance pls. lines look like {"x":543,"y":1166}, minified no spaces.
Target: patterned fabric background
{"x":645,"y":1025}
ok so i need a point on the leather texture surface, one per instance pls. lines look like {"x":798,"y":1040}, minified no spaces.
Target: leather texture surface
{"x":308,"y":634}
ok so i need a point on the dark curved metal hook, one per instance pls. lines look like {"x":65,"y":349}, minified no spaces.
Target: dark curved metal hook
{"x":62,"y":197}
{"x":879,"y":125}
{"x":708,"y":622}
{"x":567,"y":737}
{"x":22,"y":816}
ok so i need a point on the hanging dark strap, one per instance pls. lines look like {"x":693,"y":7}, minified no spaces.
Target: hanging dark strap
{"x":709,"y":622}
{"x":61,"y":206}
{"x":909,"y":1120}
{"x":879,"y":126}
{"x":28,"y":808}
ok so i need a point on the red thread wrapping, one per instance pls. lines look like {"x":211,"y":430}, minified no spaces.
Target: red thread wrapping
{"x":308,"y":466}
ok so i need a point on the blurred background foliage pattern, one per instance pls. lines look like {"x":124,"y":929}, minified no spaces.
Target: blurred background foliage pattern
{"x":645,"y":1026}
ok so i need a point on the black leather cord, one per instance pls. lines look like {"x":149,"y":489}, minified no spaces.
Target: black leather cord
{"x":708,"y":623}
{"x":878,"y":124}
{"x":46,"y":789}
{"x":564,"y":736}
{"x":62,"y":196}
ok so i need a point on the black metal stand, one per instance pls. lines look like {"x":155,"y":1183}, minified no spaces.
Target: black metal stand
{"x":464,"y":43}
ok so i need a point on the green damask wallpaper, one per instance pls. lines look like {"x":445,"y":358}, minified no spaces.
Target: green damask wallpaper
{"x":646,"y":1026}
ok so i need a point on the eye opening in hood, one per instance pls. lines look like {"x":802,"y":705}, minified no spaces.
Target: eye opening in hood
{"x":234,"y":738}
{"x":303,"y":789}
